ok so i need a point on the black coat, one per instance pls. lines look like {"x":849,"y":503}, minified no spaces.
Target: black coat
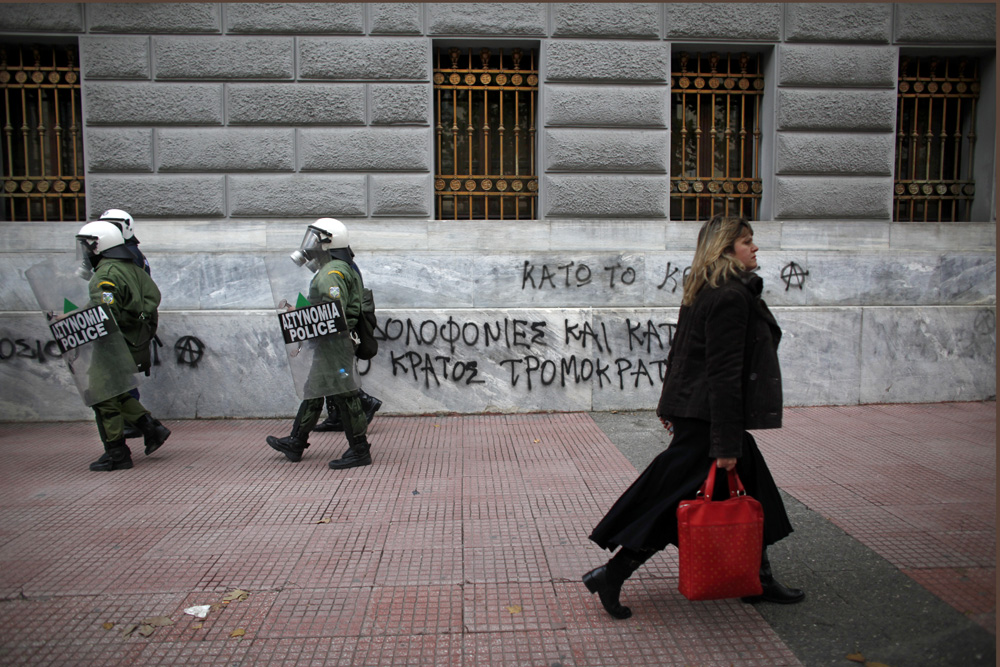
{"x":723,"y":365}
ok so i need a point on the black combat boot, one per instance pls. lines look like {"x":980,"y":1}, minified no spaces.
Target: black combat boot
{"x":293,"y":445}
{"x":369,"y":404}
{"x":774,"y":591}
{"x":117,"y":456}
{"x":358,"y":455}
{"x":607,"y":580}
{"x":332,"y":421}
{"x":131,"y":432}
{"x":153,"y":432}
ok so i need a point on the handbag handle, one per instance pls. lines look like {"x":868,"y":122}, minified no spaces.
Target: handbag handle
{"x":735,"y":485}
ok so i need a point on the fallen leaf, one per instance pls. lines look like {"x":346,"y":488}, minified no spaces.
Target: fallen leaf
{"x":537,"y":440}
{"x":146,"y":630}
{"x":198,"y":626}
{"x":108,"y":626}
{"x":129,"y":629}
{"x":158,"y":621}
{"x":238,"y":632}
{"x":514,"y":609}
{"x":856,"y":657}
{"x":233,"y":596}
{"x":325,"y":519}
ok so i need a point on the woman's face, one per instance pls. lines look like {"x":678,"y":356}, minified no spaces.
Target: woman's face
{"x":745,"y":251}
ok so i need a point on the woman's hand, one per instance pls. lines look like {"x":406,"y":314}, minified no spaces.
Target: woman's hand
{"x":725,"y":464}
{"x":667,"y":425}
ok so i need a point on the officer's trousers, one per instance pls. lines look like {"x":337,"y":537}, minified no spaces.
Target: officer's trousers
{"x":352,"y":415}
{"x":112,"y":413}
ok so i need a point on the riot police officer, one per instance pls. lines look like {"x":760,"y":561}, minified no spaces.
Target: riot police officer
{"x":116,"y":281}
{"x":124,"y":222}
{"x":325,"y":249}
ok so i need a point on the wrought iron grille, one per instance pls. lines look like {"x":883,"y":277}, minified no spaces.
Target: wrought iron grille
{"x":715,"y":135}
{"x":935,"y":139}
{"x":485,"y":133}
{"x":42,"y":145}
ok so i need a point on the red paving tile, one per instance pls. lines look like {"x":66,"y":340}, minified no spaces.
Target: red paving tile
{"x":914,"y":483}
{"x":462,"y":545}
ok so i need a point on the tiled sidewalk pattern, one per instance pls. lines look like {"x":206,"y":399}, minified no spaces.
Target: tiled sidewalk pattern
{"x":462,"y":545}
{"x":914,"y":483}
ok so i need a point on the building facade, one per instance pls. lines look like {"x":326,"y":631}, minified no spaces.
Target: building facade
{"x":523,"y":184}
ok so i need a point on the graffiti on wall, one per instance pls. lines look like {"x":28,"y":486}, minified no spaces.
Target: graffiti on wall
{"x":528,"y":353}
{"x":189,"y":350}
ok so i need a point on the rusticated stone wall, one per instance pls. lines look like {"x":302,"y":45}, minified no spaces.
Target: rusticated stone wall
{"x":226,"y":128}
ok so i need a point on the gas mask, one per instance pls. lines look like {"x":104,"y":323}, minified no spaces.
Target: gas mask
{"x":311,"y":252}
{"x":86,"y":256}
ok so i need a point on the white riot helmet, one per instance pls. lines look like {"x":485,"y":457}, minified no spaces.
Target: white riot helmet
{"x":92,"y":241}
{"x":322,"y":236}
{"x":120,"y":219}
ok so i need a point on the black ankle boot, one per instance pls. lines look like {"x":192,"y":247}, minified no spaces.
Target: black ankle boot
{"x":607,"y":580}
{"x":117,"y":456}
{"x":369,"y":404}
{"x":774,"y":591}
{"x":332,"y":421}
{"x":291,"y":446}
{"x":153,"y":432}
{"x":358,"y":455}
{"x":608,"y":588}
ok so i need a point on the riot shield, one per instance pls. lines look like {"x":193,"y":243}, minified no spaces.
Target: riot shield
{"x":87,"y":334}
{"x":317,"y":341}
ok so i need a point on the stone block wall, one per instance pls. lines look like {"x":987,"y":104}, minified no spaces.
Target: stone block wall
{"x":226,"y":128}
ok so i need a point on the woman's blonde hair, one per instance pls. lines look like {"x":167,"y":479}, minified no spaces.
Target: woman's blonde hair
{"x":713,"y":261}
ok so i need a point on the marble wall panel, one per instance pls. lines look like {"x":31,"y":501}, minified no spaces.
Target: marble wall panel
{"x":916,"y":355}
{"x":629,"y":354}
{"x":232,"y":363}
{"x":425,"y":280}
{"x":552,"y":280}
{"x":820,"y":355}
{"x":479,"y":361}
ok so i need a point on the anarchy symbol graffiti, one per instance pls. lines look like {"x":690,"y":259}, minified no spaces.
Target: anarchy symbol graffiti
{"x":793,"y":275}
{"x":189,"y":350}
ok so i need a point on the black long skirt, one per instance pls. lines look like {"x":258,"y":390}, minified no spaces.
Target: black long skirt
{"x":645,"y":516}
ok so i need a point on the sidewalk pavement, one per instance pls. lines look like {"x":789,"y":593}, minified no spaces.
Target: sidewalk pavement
{"x":464,"y":543}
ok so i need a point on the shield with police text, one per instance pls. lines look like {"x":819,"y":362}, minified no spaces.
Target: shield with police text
{"x":314,"y":331}
{"x":86,"y":332}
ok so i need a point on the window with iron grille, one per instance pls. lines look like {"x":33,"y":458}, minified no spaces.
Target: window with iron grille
{"x":935,"y":138}
{"x":715,"y":135}
{"x":484,"y":105}
{"x":42,"y":146}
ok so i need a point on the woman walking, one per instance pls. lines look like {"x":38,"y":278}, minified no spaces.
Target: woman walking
{"x":722,"y":378}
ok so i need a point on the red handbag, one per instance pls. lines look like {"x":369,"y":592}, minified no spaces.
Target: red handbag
{"x":720,"y":542}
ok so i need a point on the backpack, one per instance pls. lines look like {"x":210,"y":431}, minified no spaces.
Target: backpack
{"x":365,"y":328}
